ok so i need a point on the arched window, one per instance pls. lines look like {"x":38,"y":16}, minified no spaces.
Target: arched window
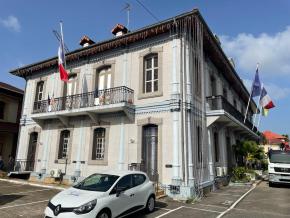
{"x":99,"y":142}
{"x":39,"y":91}
{"x":150,"y":73}
{"x":64,"y":144}
{"x":104,"y":78}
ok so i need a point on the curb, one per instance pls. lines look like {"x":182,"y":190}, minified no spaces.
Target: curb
{"x":241,"y":198}
{"x":32,"y":184}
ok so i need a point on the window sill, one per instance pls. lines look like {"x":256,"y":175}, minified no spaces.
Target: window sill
{"x":61,"y":161}
{"x":150,"y":95}
{"x":98,"y":162}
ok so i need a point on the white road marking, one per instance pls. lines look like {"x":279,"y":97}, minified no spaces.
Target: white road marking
{"x":194,"y":208}
{"x":7,"y":186}
{"x":210,"y":205}
{"x":19,"y":205}
{"x":225,"y":194}
{"x":161,"y":208}
{"x":234,"y":204}
{"x":15,"y":193}
{"x":170,"y":211}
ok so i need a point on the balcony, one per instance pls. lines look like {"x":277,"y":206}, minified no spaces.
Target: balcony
{"x":91,"y":103}
{"x":222,"y":111}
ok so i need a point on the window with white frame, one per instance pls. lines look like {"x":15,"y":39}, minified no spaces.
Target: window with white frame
{"x":150,"y":73}
{"x":99,"y":143}
{"x":64,"y":144}
{"x":39,"y":91}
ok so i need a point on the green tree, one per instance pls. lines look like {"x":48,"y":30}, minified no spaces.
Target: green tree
{"x":250,"y":151}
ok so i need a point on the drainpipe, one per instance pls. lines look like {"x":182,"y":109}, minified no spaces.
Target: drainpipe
{"x":176,"y":179}
{"x":121,"y":164}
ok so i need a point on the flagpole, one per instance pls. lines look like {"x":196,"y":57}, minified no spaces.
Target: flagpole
{"x":248,"y":105}
{"x":259,"y":121}
{"x":61,"y":35}
{"x":250,"y":97}
{"x":259,"y":107}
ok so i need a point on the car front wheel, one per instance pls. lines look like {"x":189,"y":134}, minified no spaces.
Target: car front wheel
{"x":104,"y":214}
{"x":150,"y":206}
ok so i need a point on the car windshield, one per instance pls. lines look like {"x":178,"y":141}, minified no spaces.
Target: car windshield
{"x":97,"y":182}
{"x":280,"y":158}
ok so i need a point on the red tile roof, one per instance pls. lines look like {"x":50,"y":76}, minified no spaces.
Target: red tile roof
{"x":273,"y":138}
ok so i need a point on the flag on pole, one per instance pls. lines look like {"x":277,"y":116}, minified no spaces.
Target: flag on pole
{"x":265,"y":100}
{"x":256,"y":87}
{"x":61,"y":59}
{"x":265,"y":112}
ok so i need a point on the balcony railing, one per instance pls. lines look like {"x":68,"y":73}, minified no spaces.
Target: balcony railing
{"x":21,"y":165}
{"x":220,"y":103}
{"x":89,"y":99}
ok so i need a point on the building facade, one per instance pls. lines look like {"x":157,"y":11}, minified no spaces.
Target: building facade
{"x":10,"y":113}
{"x":163,"y":99}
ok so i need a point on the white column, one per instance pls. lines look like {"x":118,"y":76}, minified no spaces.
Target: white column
{"x":210,"y":156}
{"x":188,"y":118}
{"x":176,"y":179}
{"x":45,"y":149}
{"x":121,"y":164}
{"x":77,"y":172}
{"x":223,"y":146}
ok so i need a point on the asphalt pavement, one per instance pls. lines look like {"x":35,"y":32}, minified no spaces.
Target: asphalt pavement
{"x":22,"y":200}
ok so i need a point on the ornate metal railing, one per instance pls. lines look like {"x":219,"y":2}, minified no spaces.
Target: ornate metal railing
{"x":88,"y":99}
{"x":21,"y":165}
{"x":218,"y":102}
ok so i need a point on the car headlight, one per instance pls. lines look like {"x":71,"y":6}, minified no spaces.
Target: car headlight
{"x":85,"y":208}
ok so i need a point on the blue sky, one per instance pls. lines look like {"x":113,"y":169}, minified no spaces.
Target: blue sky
{"x":250,"y":31}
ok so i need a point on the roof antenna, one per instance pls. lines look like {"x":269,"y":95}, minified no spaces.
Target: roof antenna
{"x":127,"y":8}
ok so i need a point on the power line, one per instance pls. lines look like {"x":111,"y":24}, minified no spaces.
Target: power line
{"x":151,"y":13}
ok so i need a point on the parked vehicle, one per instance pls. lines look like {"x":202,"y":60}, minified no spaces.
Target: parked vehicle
{"x":104,"y":195}
{"x":279,"y":167}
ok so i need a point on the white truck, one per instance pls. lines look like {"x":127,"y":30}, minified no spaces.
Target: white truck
{"x":279,"y":167}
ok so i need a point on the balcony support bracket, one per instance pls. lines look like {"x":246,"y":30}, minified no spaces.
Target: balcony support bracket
{"x":211,"y":119}
{"x":64,"y":120}
{"x":94,"y":117}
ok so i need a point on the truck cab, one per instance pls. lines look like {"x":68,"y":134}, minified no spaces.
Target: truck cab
{"x":279,"y":167}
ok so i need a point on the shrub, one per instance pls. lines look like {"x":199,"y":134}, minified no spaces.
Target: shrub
{"x":239,"y":175}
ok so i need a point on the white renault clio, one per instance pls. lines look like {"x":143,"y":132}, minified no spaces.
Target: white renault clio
{"x":106,"y":195}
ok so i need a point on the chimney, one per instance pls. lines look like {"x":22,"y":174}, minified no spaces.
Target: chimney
{"x":86,"y":41}
{"x":119,"y":30}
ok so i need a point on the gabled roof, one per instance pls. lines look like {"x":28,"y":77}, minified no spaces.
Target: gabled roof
{"x":271,"y":135}
{"x":5,"y":86}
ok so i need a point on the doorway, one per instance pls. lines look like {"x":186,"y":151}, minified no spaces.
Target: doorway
{"x":150,"y":151}
{"x":33,"y":138}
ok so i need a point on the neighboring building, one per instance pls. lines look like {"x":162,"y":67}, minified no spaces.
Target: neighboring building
{"x":10,"y":113}
{"x":164,"y":99}
{"x":274,"y":141}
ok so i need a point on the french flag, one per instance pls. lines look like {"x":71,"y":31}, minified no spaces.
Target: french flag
{"x":61,"y":59}
{"x":265,"y":100}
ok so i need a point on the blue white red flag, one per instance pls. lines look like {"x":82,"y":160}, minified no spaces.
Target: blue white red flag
{"x":265,"y":100}
{"x":61,"y":60}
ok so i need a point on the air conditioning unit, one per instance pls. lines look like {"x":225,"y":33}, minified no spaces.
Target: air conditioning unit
{"x":219,"y":171}
{"x":55,"y":173}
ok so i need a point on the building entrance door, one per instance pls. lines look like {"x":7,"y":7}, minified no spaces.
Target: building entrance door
{"x":150,"y":151}
{"x":31,"y":151}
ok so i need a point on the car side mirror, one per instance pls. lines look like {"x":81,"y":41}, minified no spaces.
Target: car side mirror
{"x":119,"y":191}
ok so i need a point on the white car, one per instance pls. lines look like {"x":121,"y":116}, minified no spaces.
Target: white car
{"x":106,"y":195}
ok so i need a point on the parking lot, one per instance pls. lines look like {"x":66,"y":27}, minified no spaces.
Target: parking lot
{"x":22,"y":200}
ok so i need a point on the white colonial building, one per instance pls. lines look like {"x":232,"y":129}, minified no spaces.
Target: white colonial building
{"x":164,"y":99}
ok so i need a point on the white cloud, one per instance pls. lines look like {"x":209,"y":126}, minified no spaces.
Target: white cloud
{"x":11,"y":22}
{"x":275,"y":92}
{"x":271,"y":51}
